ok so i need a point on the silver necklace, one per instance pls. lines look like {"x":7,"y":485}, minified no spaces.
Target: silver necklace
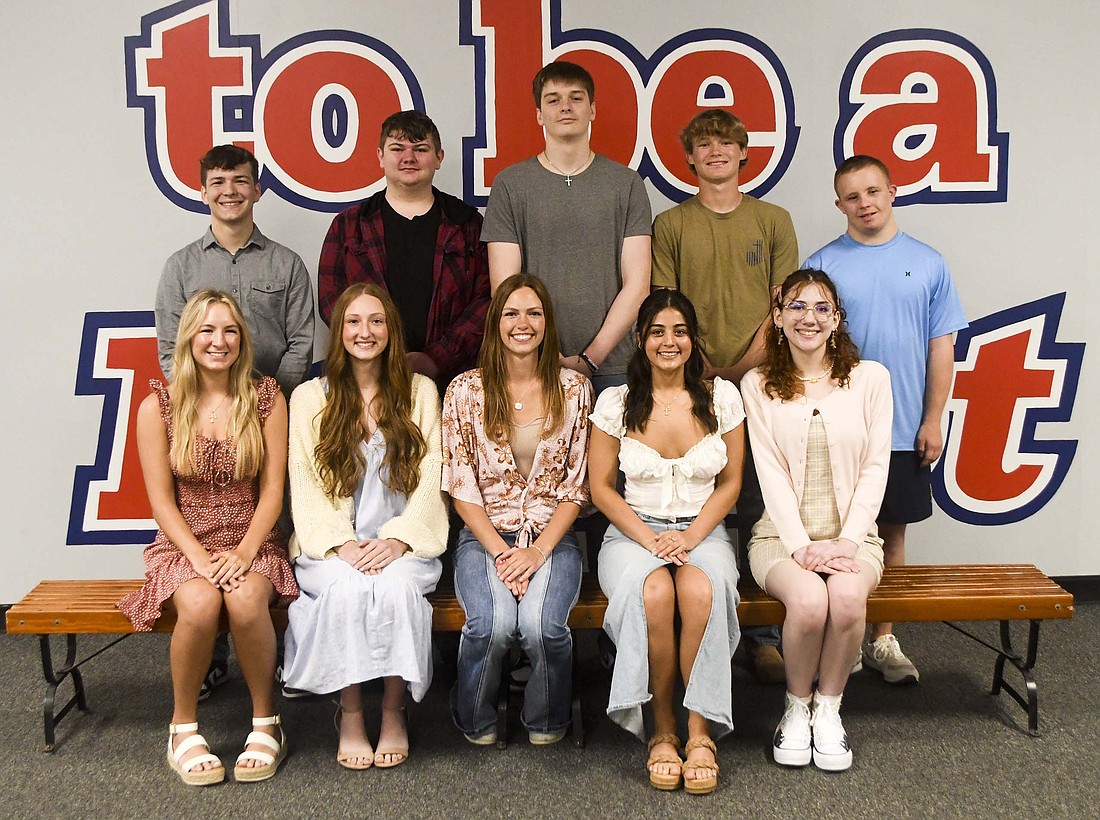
{"x":569,"y":176}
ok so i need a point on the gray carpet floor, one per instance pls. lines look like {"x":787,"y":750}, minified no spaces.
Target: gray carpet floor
{"x":943,"y":748}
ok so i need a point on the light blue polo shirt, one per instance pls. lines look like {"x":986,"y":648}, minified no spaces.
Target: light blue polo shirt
{"x":898,"y":297}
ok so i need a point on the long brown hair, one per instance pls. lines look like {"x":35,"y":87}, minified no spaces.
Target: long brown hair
{"x":778,"y":367}
{"x":340,"y":461}
{"x":639,"y":371}
{"x":498,"y":406}
{"x":244,"y":427}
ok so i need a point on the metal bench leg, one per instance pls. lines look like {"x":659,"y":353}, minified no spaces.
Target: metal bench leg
{"x":54,"y":678}
{"x":1006,"y":653}
{"x":1030,"y":701}
{"x":51,"y":717}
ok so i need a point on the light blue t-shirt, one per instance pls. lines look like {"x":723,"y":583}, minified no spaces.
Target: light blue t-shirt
{"x":898,"y":297}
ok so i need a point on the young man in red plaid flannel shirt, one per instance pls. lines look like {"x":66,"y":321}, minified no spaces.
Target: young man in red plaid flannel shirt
{"x":422,"y":245}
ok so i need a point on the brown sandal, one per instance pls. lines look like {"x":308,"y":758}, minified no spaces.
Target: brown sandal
{"x":703,"y":785}
{"x":665,"y":782}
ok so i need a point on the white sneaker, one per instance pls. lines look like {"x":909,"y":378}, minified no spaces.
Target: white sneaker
{"x":791,"y":744}
{"x":884,"y":655}
{"x":857,"y":665}
{"x":832,"y":751}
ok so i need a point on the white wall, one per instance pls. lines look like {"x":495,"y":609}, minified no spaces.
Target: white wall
{"x":86,"y":229}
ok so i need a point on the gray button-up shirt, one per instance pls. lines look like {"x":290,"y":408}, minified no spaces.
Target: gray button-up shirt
{"x":269,"y":282}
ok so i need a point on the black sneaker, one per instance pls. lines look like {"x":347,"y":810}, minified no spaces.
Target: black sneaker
{"x":216,"y":675}
{"x":521,"y":673}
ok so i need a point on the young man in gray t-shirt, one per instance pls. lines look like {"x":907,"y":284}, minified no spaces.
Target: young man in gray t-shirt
{"x":578,"y":221}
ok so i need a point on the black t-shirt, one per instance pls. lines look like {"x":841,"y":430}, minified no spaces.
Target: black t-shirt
{"x":410,"y":262}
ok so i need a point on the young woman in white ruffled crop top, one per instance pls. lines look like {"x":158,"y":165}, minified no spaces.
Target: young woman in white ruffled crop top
{"x":680,"y":443}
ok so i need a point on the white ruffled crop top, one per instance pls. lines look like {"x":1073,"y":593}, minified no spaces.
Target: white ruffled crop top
{"x":670,"y":487}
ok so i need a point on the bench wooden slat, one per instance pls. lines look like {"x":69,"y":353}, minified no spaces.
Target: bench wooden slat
{"x":913,"y":593}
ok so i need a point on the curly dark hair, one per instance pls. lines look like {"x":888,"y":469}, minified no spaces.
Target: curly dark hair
{"x":778,"y":367}
{"x":639,"y":372}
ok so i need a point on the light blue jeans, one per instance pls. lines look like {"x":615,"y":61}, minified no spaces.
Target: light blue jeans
{"x":624,"y":566}
{"x":494,"y":621}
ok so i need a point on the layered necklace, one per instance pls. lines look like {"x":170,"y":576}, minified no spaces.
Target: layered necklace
{"x":569,"y":175}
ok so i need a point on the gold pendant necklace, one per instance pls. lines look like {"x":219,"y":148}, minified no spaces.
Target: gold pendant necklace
{"x":666,"y":405}
{"x":518,"y":404}
{"x":214,"y":413}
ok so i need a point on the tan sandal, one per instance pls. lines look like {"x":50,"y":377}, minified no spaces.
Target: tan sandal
{"x":270,"y":760}
{"x":701,"y":785}
{"x":658,"y":780}
{"x":186,"y":771}
{"x":345,"y":758}
{"x":401,"y":754}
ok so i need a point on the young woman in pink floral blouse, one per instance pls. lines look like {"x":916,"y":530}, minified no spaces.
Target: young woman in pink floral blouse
{"x":515,"y":441}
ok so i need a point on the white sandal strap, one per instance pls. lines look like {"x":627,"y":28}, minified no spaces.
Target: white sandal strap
{"x":199,"y":759}
{"x":262,"y":739}
{"x":263,"y":757}
{"x":187,"y":744}
{"x":266,"y":721}
{"x":176,"y":728}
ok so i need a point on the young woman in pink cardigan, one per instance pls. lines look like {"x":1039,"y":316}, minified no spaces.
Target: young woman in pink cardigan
{"x":819,"y":423}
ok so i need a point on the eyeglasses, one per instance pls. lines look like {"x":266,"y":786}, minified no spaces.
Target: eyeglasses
{"x":823,"y":310}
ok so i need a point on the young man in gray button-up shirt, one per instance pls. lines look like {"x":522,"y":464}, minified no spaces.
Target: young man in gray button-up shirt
{"x":267,"y":279}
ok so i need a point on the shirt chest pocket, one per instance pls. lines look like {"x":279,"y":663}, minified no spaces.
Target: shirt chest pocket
{"x":268,"y":292}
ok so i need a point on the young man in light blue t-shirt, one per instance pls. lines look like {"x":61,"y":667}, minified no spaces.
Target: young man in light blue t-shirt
{"x":901,"y":310}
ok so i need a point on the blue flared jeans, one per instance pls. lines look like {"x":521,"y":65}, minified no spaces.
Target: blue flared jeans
{"x":495,"y":620}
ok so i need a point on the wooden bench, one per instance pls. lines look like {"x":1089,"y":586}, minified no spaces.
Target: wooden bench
{"x":985,"y":592}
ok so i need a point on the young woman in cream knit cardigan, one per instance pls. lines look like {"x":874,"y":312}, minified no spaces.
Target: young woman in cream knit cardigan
{"x":370,"y":524}
{"x":819,"y":422}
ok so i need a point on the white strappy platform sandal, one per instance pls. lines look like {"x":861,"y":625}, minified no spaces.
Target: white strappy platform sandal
{"x":187,"y":772}
{"x":270,"y":760}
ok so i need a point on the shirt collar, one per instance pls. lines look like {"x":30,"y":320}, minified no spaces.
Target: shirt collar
{"x":257,"y":239}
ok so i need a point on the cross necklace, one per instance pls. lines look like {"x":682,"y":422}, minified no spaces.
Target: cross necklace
{"x":213,"y":417}
{"x":569,"y":176}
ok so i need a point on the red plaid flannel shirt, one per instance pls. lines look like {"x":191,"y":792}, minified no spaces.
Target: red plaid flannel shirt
{"x":354,"y":251}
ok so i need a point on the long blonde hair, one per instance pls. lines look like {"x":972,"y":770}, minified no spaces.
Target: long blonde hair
{"x":244,"y":427}
{"x":491,"y":360}
{"x":340,"y":461}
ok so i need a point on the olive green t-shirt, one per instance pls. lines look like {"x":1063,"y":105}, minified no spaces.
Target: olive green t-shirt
{"x":726,"y":264}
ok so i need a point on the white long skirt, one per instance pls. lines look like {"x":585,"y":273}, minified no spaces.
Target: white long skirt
{"x":347,"y":627}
